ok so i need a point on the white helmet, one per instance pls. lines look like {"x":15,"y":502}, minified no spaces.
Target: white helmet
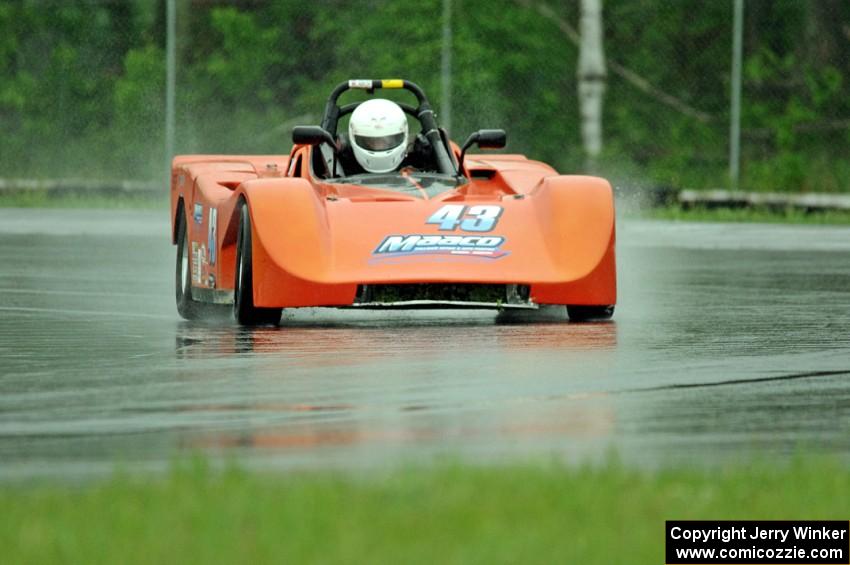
{"x":378,"y":132}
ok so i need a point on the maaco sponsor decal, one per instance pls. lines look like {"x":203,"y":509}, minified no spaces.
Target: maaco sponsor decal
{"x":423,"y":244}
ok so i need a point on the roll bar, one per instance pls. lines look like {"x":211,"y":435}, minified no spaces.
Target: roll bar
{"x":424,"y":113}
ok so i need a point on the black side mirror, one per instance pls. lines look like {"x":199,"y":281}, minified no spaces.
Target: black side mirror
{"x":312,"y":135}
{"x":489,"y":138}
{"x":315,"y":135}
{"x":484,"y":139}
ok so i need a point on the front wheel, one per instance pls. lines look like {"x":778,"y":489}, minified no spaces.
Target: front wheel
{"x":243,"y":297}
{"x":187,"y":306}
{"x":586,"y":313}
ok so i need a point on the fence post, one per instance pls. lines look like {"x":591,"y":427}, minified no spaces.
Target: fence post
{"x":170,"y":79}
{"x":735,"y":120}
{"x":446,"y":69}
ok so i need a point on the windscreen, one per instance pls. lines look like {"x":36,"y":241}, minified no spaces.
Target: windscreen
{"x":414,"y":183}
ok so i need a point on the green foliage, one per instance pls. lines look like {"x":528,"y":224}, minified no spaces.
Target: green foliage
{"x":242,"y":56}
{"x":82,"y":84}
{"x":794,"y":95}
{"x":139,"y":109}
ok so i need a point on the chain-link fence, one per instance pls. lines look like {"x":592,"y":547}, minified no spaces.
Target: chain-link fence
{"x":82,"y":84}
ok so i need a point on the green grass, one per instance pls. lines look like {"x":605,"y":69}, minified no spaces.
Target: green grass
{"x":448,"y":513}
{"x":763,"y":215}
{"x":43,"y":199}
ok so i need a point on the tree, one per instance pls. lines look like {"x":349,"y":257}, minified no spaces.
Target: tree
{"x":591,"y":79}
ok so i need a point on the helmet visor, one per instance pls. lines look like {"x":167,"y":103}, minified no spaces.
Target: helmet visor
{"x":380,"y":143}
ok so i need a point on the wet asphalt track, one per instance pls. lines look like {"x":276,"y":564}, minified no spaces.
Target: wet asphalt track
{"x":730,"y":341}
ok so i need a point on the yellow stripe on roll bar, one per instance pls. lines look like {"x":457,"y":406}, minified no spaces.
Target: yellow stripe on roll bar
{"x":392,"y":83}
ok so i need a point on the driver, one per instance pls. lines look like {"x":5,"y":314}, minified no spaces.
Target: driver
{"x":378,"y":135}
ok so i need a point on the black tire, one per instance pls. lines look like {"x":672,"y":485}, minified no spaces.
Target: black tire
{"x":187,"y":307}
{"x":243,"y":295}
{"x":586,"y":313}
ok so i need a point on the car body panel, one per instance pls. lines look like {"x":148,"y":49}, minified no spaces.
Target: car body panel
{"x":315,"y":242}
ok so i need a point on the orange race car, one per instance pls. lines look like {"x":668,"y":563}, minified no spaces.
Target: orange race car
{"x":376,"y":217}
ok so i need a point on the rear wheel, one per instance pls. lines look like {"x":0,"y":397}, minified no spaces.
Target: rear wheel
{"x":187,"y":307}
{"x":243,"y":297}
{"x":587,"y":313}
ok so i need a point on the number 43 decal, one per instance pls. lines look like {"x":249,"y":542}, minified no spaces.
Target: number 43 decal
{"x":469,"y":218}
